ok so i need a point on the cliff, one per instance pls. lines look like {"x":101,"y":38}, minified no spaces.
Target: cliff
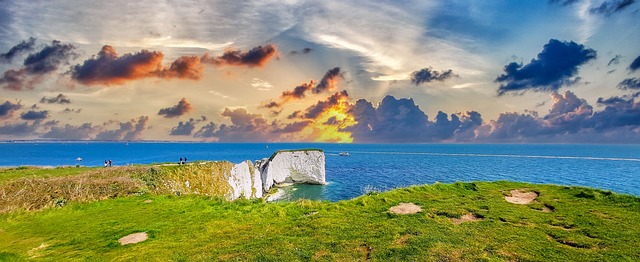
{"x":293,"y":166}
{"x":210,"y":178}
{"x":283,"y":167}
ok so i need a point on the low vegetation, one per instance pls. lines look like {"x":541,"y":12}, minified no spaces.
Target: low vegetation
{"x":49,"y":187}
{"x":460,"y":221}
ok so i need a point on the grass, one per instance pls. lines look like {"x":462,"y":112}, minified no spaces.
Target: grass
{"x":584,"y":225}
{"x":45,"y":188}
{"x":7,"y":174}
{"x":294,"y":150}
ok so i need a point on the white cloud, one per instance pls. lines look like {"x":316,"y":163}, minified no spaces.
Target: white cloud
{"x":261,"y":85}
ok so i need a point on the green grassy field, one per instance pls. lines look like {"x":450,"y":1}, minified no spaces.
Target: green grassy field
{"x":562,"y":224}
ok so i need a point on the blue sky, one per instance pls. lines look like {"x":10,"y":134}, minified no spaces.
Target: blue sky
{"x":559,"y":71}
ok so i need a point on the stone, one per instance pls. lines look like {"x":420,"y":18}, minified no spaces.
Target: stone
{"x":296,"y":166}
{"x":245,"y":181}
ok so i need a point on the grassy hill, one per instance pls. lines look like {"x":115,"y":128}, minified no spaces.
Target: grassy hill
{"x":562,"y":223}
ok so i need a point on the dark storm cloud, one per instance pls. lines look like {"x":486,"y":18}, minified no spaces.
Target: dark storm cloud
{"x":552,"y":69}
{"x":60,"y":99}
{"x":35,"y":115}
{"x":402,"y":121}
{"x":615,"y":60}
{"x":635,"y":64}
{"x":630,"y":84}
{"x":427,"y":75}
{"x":21,"y":129}
{"x":611,"y":6}
{"x":70,"y":132}
{"x":7,"y":108}
{"x":612,"y":100}
{"x":256,"y":57}
{"x":131,"y":130}
{"x":207,"y":131}
{"x":22,"y":47}
{"x":617,"y":115}
{"x":570,"y":119}
{"x":36,"y":65}
{"x":49,"y":58}
{"x":184,"y":128}
{"x":568,"y":113}
{"x":183,"y":107}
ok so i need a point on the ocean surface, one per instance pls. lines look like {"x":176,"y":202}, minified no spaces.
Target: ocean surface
{"x":377,"y":167}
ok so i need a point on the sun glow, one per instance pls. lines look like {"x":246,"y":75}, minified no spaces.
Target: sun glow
{"x":332,"y":124}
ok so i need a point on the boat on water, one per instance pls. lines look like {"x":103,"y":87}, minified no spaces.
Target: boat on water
{"x":344,"y":154}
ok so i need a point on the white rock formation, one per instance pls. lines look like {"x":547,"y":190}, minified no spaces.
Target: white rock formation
{"x":245,"y":181}
{"x":296,"y":166}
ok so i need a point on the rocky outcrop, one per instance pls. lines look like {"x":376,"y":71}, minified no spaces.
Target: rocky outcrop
{"x":245,"y":181}
{"x":288,"y":166}
{"x":293,"y":166}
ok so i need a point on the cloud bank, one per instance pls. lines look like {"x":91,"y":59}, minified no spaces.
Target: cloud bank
{"x":553,"y":68}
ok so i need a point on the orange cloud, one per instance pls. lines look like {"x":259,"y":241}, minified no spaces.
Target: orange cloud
{"x":184,"y":67}
{"x":108,"y":68}
{"x":327,"y":83}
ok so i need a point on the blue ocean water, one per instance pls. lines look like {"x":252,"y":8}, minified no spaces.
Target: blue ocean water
{"x":374,"y":166}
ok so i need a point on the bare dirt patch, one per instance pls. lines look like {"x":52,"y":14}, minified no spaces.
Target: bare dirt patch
{"x":319,"y":254}
{"x":405,"y":209}
{"x":465,"y":218}
{"x":402,"y":241}
{"x":133,"y":238}
{"x":148,"y":201}
{"x":521,"y":197}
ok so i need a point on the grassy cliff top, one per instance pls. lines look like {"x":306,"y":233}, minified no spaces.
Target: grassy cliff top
{"x":460,"y":221}
{"x":294,"y":150}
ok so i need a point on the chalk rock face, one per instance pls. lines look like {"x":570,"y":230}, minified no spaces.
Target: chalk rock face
{"x":301,"y":166}
{"x":245,"y":181}
{"x":256,"y":182}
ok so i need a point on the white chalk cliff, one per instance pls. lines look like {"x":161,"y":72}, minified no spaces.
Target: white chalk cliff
{"x":245,"y":181}
{"x":290,"y":166}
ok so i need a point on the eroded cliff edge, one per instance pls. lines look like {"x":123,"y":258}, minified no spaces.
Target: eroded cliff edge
{"x":249,"y":180}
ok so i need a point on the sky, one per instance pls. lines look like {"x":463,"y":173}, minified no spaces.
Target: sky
{"x":556,"y":71}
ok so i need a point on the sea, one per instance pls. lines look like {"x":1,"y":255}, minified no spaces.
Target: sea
{"x":371,"y":167}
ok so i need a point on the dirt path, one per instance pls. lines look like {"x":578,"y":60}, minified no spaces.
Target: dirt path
{"x":521,"y":197}
{"x":405,"y":208}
